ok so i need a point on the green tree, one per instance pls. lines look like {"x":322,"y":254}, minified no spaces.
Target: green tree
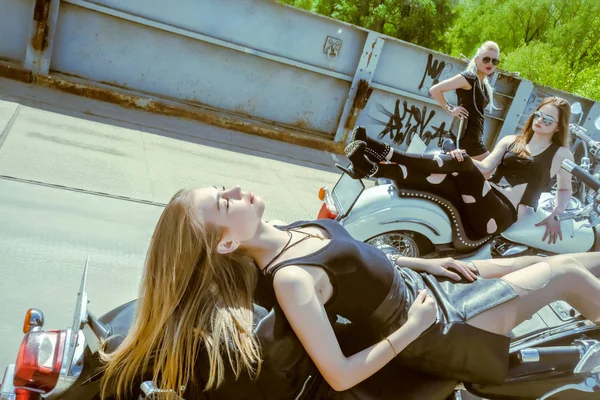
{"x":551,"y":42}
{"x":422,"y":22}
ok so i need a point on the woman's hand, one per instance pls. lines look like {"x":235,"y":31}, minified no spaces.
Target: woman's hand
{"x":458,"y":154}
{"x":553,"y":230}
{"x":423,"y":312}
{"x":443,"y":267}
{"x":459,"y":112}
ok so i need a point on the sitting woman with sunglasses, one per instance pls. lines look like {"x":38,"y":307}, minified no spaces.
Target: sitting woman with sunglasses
{"x":524,"y":165}
{"x":474,"y":94}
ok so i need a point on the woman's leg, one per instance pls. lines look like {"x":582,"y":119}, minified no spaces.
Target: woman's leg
{"x":460,"y":182}
{"x":481,"y":157}
{"x":541,"y":284}
{"x":497,"y":268}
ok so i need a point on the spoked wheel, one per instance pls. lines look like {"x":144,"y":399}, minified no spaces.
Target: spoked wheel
{"x":406,"y":244}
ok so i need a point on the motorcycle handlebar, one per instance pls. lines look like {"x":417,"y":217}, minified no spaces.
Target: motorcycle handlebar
{"x":580,"y":133}
{"x":564,"y":356}
{"x":581,"y":174}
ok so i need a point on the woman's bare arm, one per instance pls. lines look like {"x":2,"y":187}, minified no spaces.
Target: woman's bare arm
{"x":563,"y":180}
{"x":499,"y":267}
{"x":456,"y":82}
{"x":296,"y":295}
{"x":563,"y":195}
{"x":493,"y":268}
{"x":493,"y":160}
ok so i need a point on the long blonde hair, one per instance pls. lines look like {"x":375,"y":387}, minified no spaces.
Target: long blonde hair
{"x":560,"y":136}
{"x":190,"y":298}
{"x":472,"y":68}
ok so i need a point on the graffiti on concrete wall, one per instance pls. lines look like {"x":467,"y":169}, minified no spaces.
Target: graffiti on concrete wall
{"x":432,"y":73}
{"x":406,"y":121}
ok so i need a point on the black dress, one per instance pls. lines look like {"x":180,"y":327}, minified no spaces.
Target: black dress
{"x":371,"y":291}
{"x":474,"y":100}
{"x":534,"y":171}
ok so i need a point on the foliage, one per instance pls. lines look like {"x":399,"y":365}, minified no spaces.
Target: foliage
{"x":422,"y":22}
{"x":551,"y":42}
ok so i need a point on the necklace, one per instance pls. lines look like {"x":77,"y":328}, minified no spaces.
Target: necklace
{"x":310,"y":235}
{"x":289,"y":245}
{"x":480,"y":85}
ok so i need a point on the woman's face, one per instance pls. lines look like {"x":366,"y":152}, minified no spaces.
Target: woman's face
{"x":238,"y":213}
{"x":545,"y":120}
{"x":485,"y":61}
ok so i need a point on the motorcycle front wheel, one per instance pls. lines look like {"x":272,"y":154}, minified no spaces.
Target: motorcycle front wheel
{"x":406,"y":243}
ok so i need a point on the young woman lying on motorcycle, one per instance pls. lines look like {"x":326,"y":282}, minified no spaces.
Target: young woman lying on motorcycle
{"x":524,"y":165}
{"x":209,"y":246}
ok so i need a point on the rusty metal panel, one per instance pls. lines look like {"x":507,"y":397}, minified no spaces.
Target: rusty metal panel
{"x":412,"y":68}
{"x":541,"y":92}
{"x":263,"y":25}
{"x":266,"y":61}
{"x":589,"y":122}
{"x":15,"y":22}
{"x":398,"y":119}
{"x":360,"y":90}
{"x":517,"y":108}
{"x":111,"y":50}
{"x":41,"y":41}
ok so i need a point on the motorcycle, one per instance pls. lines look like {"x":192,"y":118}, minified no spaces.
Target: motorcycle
{"x":587,"y":152}
{"x":421,"y":224}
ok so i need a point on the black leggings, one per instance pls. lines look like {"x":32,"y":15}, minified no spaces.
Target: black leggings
{"x":482,"y":208}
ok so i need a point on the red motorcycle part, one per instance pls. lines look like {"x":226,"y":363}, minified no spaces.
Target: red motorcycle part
{"x":39,"y":361}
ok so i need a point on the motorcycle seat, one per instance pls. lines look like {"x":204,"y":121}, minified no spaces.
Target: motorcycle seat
{"x":385,"y":385}
{"x":461,"y":238}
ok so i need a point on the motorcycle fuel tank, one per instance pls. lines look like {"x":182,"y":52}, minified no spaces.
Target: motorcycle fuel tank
{"x":576,"y":237}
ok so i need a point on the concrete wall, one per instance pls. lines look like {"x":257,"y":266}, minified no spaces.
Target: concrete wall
{"x":258,"y":59}
{"x":15,"y":24}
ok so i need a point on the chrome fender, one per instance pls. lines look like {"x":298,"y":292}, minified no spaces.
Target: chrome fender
{"x":379,"y":209}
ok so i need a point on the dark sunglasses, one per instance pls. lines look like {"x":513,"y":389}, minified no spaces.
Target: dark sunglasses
{"x":546,"y":119}
{"x":486,"y":60}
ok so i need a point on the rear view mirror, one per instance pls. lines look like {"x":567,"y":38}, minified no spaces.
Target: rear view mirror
{"x":576,"y":108}
{"x":597,"y":123}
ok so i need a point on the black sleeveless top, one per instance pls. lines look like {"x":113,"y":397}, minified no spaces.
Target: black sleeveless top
{"x":534,"y":171}
{"x":474,"y":100}
{"x":361,"y":274}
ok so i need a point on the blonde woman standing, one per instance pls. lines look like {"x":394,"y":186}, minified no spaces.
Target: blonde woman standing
{"x":474,"y":94}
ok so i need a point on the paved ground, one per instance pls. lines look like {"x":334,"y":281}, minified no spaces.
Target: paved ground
{"x":80,"y":178}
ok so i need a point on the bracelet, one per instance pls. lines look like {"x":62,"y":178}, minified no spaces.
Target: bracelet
{"x":556,"y":217}
{"x":392,"y":346}
{"x":472,"y":264}
{"x":449,"y":107}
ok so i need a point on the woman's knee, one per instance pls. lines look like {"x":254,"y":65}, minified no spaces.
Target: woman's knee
{"x":568,"y":266}
{"x":569,"y":276}
{"x":560,"y":276}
